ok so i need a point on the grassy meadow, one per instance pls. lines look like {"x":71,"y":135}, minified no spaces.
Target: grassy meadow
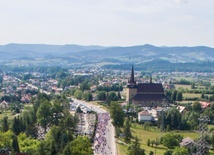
{"x":153,"y":133}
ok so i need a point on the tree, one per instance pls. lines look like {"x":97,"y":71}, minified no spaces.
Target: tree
{"x":170,"y":141}
{"x":15,"y":144}
{"x":5,"y":124}
{"x":80,"y":146}
{"x":127,"y":131}
{"x":135,"y":149}
{"x":78,"y":94}
{"x":196,"y":107}
{"x":101,"y":95}
{"x":168,"y":152}
{"x":118,"y":95}
{"x":84,"y":86}
{"x":87,"y":96}
{"x":153,"y":142}
{"x":180,"y":151}
{"x":113,"y":96}
{"x":173,"y":96}
{"x":148,"y":142}
{"x":117,"y":114}
{"x":151,"y":153}
{"x":179,"y":96}
{"x":44,"y":114}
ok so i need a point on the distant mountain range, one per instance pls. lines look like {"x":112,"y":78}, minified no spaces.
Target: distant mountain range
{"x":86,"y":55}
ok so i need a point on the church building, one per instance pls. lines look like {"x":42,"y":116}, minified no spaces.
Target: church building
{"x":145,"y":94}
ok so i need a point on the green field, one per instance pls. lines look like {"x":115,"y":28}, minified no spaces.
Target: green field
{"x":152,"y":134}
{"x":191,"y":95}
{"x":8,"y":114}
{"x":182,"y":86}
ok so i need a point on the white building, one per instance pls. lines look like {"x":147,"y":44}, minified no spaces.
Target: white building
{"x":144,"y":116}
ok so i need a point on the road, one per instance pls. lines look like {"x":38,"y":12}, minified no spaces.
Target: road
{"x":110,"y":147}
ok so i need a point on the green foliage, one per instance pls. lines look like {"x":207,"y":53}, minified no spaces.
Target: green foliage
{"x":196,"y":107}
{"x":85,"y":86}
{"x":5,"y":124}
{"x":27,"y":144}
{"x":113,"y":96}
{"x":15,"y":144}
{"x":127,"y":131}
{"x":151,"y":153}
{"x":192,"y":119}
{"x":180,"y":151}
{"x":117,"y":114}
{"x":170,"y":140}
{"x":6,"y":139}
{"x":78,"y":94}
{"x":44,"y":114}
{"x":168,"y":152}
{"x":114,"y":87}
{"x":173,"y":118}
{"x":148,"y":142}
{"x":101,"y":95}
{"x":134,"y":148}
{"x":80,"y":146}
{"x":87,"y":96}
{"x":179,"y":96}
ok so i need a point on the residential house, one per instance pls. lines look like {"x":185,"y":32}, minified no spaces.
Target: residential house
{"x":4,"y":105}
{"x":144,"y":116}
{"x":187,"y":142}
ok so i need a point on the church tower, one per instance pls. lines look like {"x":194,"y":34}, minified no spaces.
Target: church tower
{"x":131,"y":90}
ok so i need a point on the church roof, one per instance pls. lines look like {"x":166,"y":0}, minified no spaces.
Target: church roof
{"x":148,"y":97}
{"x":150,"y":87}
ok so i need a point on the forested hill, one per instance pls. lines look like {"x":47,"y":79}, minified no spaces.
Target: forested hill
{"x":83,"y":55}
{"x":166,"y":66}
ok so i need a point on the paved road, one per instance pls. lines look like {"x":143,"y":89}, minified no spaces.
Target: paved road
{"x":110,"y":148}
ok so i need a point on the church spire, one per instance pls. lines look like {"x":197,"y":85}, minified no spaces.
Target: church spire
{"x":132,"y":81}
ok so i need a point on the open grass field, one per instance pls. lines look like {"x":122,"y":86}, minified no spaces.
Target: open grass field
{"x":177,"y":86}
{"x":8,"y":114}
{"x":191,"y":95}
{"x":183,"y":77}
{"x":152,"y":134}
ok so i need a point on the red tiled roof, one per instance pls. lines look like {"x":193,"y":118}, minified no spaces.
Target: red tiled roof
{"x":144,"y":113}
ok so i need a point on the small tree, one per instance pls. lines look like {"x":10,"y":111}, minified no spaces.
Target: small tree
{"x":148,"y":142}
{"x":168,"y":152}
{"x":135,"y":149}
{"x":153,"y":142}
{"x":196,"y":107}
{"x":44,"y":114}
{"x":180,"y":151}
{"x":151,"y":153}
{"x":15,"y":144}
{"x":117,"y":114}
{"x":170,"y":141}
{"x":5,"y":125}
{"x":127,"y":131}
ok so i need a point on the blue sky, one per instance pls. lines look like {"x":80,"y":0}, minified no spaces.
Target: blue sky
{"x":108,"y":22}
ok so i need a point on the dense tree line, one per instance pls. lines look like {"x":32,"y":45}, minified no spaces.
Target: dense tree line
{"x":54,"y":117}
{"x":114,"y":87}
{"x":160,"y":66}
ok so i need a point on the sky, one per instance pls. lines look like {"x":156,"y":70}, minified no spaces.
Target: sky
{"x":108,"y":22}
